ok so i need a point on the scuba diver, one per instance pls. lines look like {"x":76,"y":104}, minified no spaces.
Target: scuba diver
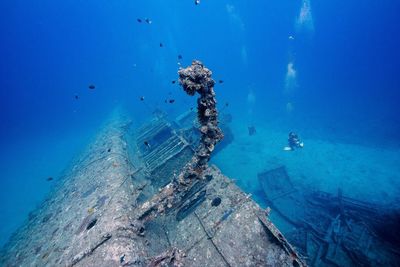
{"x":293,"y":142}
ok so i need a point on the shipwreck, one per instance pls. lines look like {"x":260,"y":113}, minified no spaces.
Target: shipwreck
{"x":146,"y":196}
{"x":333,"y":230}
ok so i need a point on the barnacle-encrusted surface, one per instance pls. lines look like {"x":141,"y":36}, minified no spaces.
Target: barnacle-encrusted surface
{"x":197,"y":78}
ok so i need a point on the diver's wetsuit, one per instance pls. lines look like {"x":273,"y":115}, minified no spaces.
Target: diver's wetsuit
{"x":294,"y":141}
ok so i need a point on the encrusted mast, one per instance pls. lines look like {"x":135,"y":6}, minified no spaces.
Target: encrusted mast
{"x":194,"y":79}
{"x":197,"y":78}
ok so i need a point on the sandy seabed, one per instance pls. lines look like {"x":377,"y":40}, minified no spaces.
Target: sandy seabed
{"x":365,"y":173}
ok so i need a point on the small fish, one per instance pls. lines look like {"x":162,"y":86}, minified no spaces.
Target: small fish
{"x":196,"y":2}
{"x":173,"y":82}
{"x":76,"y":97}
{"x":227,"y":104}
{"x":191,"y":108}
{"x":139,"y":20}
{"x":49,"y":179}
{"x":147,"y":144}
{"x":142,"y":98}
{"x":180,"y":57}
{"x":148,"y":21}
{"x":171,"y":101}
{"x":221,"y":81}
{"x":109,"y":150}
{"x":91,"y":87}
{"x":161,"y":45}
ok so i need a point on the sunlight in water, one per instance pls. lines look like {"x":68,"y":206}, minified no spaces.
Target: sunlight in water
{"x":290,"y":80}
{"x":234,"y":17}
{"x":289,"y":107}
{"x":251,"y":100}
{"x":305,"y":21}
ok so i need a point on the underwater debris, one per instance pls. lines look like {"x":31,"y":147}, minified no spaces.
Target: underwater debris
{"x":90,"y":250}
{"x":92,"y":86}
{"x":341,"y":226}
{"x":191,"y":205}
{"x":171,"y":257}
{"x":138,"y":227}
{"x":252,"y":130}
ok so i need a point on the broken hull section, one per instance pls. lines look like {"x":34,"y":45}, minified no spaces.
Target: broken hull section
{"x":332,"y":230}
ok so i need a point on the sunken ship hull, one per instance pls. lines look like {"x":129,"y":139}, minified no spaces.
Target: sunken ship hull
{"x":90,"y":218}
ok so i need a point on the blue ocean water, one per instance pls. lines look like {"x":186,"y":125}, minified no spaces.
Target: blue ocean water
{"x":324,"y":69}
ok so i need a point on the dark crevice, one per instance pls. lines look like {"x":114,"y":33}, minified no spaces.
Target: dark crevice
{"x":91,"y":224}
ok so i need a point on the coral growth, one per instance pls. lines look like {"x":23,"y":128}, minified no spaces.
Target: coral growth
{"x":197,"y":78}
{"x":194,"y":79}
